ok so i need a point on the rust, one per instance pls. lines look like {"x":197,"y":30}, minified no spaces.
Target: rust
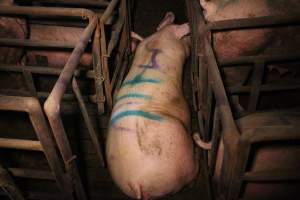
{"x":32,"y":106}
{"x":52,"y":108}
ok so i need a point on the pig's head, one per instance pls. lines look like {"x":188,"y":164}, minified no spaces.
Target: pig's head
{"x":167,"y":33}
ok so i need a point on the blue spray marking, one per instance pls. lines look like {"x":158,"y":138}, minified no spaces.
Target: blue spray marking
{"x":139,"y":79}
{"x":153,"y":63}
{"x":139,"y":113}
{"x":133,"y":95}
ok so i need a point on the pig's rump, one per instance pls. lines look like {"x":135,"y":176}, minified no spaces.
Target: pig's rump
{"x":13,"y":28}
{"x":150,"y":158}
{"x":267,"y":157}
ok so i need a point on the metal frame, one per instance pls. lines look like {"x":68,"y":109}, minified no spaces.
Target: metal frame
{"x":216,"y":120}
{"x":45,"y":144}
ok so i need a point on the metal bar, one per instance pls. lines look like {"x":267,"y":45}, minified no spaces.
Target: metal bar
{"x":31,"y":173}
{"x":32,"y":107}
{"x":30,"y":145}
{"x":36,"y":44}
{"x":47,"y":12}
{"x":263,"y":88}
{"x":292,"y":55}
{"x":8,"y":185}
{"x":257,"y":79}
{"x":93,"y":3}
{"x":41,"y":70}
{"x":271,"y":133}
{"x":94,"y":137}
{"x":30,"y":83}
{"x":52,"y":109}
{"x":104,"y":59}
{"x":255,"y":22}
{"x":272,"y":175}
{"x":100,"y":99}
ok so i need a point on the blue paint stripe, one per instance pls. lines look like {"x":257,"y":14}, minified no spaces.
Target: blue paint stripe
{"x":132,"y":95}
{"x":140,"y":81}
{"x":139,"y":113}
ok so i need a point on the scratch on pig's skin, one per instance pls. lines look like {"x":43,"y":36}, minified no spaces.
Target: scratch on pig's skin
{"x":153,"y":63}
{"x":133,"y":95}
{"x":120,"y":128}
{"x":139,"y":113}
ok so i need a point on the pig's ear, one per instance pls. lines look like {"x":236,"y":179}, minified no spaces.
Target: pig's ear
{"x":135,"y":40}
{"x":167,"y":20}
{"x":182,"y":30}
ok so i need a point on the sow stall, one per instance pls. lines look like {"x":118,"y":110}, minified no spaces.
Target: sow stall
{"x":255,"y":141}
{"x":28,"y":88}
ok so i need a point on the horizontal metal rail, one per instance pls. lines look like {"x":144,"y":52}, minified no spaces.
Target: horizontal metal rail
{"x":31,"y":173}
{"x":33,"y":43}
{"x":255,"y":22}
{"x":30,"y":145}
{"x":42,"y":70}
{"x":47,"y":12}
{"x":93,"y":3}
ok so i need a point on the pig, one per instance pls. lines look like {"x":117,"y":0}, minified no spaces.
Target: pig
{"x":11,"y":27}
{"x":235,"y":43}
{"x":149,"y":151}
{"x":57,"y":58}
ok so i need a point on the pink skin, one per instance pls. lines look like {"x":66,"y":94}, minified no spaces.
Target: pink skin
{"x":240,"y":42}
{"x":154,"y":158}
{"x":55,"y":33}
{"x":11,"y":28}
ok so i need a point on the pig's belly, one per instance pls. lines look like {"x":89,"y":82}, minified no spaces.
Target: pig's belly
{"x":232,"y":44}
{"x":12,"y":28}
{"x":268,"y":156}
{"x":150,"y":157}
{"x":55,"y":58}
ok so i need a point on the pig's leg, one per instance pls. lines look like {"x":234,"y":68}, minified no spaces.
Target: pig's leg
{"x":167,"y":20}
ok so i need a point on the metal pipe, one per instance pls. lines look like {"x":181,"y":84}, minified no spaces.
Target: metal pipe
{"x":8,"y":185}
{"x":98,"y":75}
{"x":255,"y":22}
{"x":47,"y":12}
{"x":52,"y":108}
{"x":42,"y":70}
{"x":93,"y":3}
{"x":31,"y":173}
{"x":104,"y":57}
{"x":30,"y":145}
{"x":33,"y":108}
{"x":37,"y":44}
{"x":88,"y":122}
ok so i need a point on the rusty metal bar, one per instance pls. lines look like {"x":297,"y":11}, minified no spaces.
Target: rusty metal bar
{"x":100,"y":99}
{"x":94,"y":137}
{"x":30,"y":145}
{"x":271,"y":176}
{"x":104,"y":57}
{"x":8,"y":185}
{"x":47,"y":12}
{"x":31,"y":173}
{"x":41,"y":70}
{"x":263,"y":88}
{"x":255,"y":22}
{"x":36,"y":44}
{"x":93,"y":3}
{"x":290,"y":56}
{"x":52,"y":109}
{"x":257,"y":80}
{"x":33,"y":108}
